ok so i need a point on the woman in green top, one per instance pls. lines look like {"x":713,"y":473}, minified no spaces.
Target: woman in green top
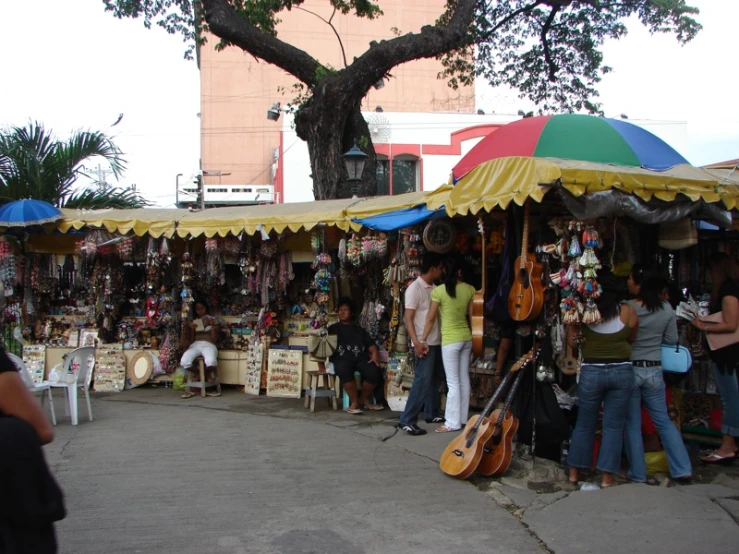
{"x":454,"y":301}
{"x":607,"y":378}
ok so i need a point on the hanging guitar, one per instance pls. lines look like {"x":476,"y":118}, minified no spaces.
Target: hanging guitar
{"x":498,"y":451}
{"x":567,"y":362}
{"x":477,"y":319}
{"x":463,"y":455}
{"x":526,"y":299}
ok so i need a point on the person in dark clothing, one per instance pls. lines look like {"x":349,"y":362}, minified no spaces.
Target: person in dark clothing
{"x":724,"y":299}
{"x":355,"y":352}
{"x":30,"y":499}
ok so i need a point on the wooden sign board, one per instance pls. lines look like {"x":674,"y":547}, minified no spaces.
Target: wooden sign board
{"x":285,"y":373}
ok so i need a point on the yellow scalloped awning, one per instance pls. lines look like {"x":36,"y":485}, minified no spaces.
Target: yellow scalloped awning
{"x":277,"y":217}
{"x":497,"y":183}
{"x":156,"y":222}
{"x":433,"y":200}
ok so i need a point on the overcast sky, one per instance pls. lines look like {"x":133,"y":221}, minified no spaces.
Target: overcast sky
{"x":70,"y":65}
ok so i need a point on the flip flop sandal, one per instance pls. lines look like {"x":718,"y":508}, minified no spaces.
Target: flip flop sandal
{"x":213,"y":394}
{"x":375,"y":408}
{"x":714,"y":458}
{"x":188,"y":395}
{"x":354,"y":411}
{"x":445,"y":429}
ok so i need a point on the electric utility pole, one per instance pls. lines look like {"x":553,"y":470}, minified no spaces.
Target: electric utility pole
{"x":101,"y":181}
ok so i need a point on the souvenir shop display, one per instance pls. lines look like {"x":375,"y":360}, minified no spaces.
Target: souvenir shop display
{"x":254,"y":365}
{"x":285,"y":373}
{"x":110,"y":368}
{"x":34,"y":357}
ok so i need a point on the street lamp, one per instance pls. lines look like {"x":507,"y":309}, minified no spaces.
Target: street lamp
{"x":354,"y":161}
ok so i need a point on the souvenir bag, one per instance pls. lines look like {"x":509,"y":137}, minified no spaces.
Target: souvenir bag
{"x":676,"y":358}
{"x":323,"y":345}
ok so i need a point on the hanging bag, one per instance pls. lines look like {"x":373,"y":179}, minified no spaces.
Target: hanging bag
{"x":322,"y":345}
{"x":676,"y":358}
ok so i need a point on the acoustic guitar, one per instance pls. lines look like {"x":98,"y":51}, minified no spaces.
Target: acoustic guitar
{"x":463,"y":455}
{"x":526,"y":299}
{"x":567,"y":362}
{"x":498,"y":451}
{"x":477,"y":321}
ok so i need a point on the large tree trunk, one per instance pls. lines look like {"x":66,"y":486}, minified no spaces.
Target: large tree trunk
{"x":330,"y":122}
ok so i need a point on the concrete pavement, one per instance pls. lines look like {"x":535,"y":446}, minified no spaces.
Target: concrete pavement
{"x":241,"y":474}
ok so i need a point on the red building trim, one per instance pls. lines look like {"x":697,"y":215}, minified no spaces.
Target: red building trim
{"x":458,"y":137}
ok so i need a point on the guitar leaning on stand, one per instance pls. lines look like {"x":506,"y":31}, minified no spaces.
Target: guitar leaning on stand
{"x":526,"y":299}
{"x":477,"y":319}
{"x":498,"y":451}
{"x":463,"y":455}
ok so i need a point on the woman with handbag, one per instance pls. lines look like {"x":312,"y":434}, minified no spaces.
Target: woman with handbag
{"x":657,"y":326}
{"x":724,"y":299}
{"x":355,"y":352}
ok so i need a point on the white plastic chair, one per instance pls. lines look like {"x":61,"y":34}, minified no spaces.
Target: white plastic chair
{"x":45,"y":386}
{"x":85,"y":357}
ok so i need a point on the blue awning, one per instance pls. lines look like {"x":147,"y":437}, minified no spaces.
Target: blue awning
{"x":397,"y":219}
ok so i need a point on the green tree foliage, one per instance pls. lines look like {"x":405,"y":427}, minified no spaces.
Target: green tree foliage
{"x":33,"y":164}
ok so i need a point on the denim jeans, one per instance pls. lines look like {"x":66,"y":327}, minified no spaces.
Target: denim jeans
{"x":425,"y":390}
{"x":728,"y":388}
{"x":649,"y":387}
{"x":610,"y":385}
{"x":456,"y":358}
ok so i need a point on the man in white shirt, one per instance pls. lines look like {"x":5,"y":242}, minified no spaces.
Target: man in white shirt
{"x":429,"y":369}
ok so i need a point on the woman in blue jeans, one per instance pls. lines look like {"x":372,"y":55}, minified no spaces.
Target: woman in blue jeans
{"x":606,"y":378}
{"x":725,"y":299}
{"x":657,"y":326}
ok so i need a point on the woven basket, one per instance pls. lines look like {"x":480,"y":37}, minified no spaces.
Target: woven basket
{"x":676,"y":235}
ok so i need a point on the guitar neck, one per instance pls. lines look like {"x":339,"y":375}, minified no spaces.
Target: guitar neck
{"x":525,"y":234}
{"x":509,"y":399}
{"x":484,"y":262}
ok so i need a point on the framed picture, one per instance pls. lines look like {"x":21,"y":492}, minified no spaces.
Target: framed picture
{"x":88,"y":337}
{"x":285,"y":373}
{"x":73,"y":341}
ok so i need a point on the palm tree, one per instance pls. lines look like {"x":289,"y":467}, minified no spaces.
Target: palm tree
{"x":33,"y":164}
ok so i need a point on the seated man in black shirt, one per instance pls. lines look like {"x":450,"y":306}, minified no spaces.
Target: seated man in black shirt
{"x":355,"y":352}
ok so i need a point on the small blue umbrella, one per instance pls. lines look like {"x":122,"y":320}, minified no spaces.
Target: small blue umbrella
{"x":25,"y":213}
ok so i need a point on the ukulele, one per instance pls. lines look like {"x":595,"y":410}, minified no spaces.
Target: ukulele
{"x":567,"y":362}
{"x":526,"y":299}
{"x":463,"y":455}
{"x":498,"y":451}
{"x":477,"y":319}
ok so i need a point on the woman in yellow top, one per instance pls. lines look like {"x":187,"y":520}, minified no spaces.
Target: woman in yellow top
{"x":454,"y":301}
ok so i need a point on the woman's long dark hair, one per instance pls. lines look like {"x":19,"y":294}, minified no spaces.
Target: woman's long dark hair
{"x":452,"y":265}
{"x":609,"y":302}
{"x":651,"y":286}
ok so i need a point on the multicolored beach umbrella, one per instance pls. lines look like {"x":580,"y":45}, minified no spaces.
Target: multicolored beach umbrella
{"x":573,"y":137}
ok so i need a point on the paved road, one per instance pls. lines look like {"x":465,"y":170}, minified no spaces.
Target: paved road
{"x":237,"y":474}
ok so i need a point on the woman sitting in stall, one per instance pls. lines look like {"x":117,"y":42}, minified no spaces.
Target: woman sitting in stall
{"x":355,"y":351}
{"x":199,"y":338}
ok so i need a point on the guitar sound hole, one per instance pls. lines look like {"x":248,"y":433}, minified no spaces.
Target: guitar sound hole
{"x":459,"y":453}
{"x":523,"y":277}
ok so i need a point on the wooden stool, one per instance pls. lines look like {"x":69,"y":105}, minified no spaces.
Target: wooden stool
{"x":203,"y":384}
{"x":328,"y":389}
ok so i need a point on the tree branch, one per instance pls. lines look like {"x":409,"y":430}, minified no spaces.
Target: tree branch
{"x":371,"y":66}
{"x":545,"y":44}
{"x":512,"y":16}
{"x":226,"y":24}
{"x":328,"y":22}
